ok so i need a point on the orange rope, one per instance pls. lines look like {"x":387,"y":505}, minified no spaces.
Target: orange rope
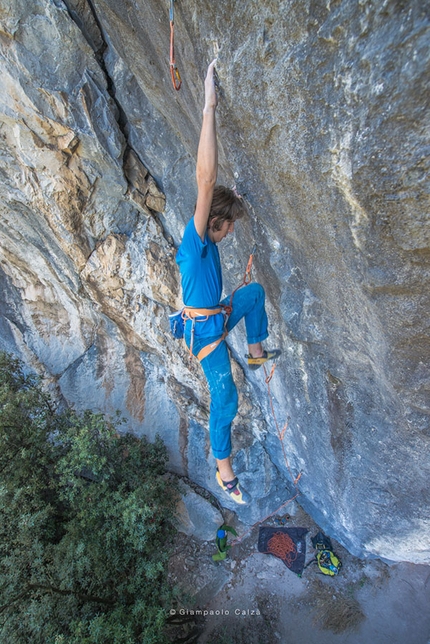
{"x":268,"y":377}
{"x":174,"y":71}
{"x":281,"y":545}
{"x":281,"y":434}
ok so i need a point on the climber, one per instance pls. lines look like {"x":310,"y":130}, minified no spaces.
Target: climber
{"x":216,"y":211}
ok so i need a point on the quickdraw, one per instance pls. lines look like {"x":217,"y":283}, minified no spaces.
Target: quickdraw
{"x":247,"y":278}
{"x":174,"y":71}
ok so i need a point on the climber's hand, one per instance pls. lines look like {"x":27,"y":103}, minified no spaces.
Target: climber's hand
{"x":211,"y":99}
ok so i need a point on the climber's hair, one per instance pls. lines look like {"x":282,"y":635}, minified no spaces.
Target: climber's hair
{"x":226,"y":205}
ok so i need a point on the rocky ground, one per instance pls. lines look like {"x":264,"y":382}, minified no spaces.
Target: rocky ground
{"x":254,"y":598}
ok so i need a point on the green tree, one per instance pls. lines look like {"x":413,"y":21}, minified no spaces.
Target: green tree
{"x":84,"y":524}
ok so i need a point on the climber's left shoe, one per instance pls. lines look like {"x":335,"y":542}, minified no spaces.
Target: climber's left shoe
{"x":255,"y":363}
{"x":233,"y":488}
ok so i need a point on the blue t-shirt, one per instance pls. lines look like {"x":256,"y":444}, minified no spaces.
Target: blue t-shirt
{"x":200,"y":269}
{"x":201,"y":277}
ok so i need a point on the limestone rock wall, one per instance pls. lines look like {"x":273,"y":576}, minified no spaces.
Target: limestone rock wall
{"x":323,"y":127}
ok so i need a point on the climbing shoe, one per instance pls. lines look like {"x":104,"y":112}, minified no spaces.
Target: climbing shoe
{"x":234,"y":490}
{"x":255,"y":363}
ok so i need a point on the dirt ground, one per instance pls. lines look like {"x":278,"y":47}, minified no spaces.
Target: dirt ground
{"x":253,"y":598}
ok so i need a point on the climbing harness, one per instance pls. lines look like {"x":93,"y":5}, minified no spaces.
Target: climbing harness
{"x":174,"y":71}
{"x":201,"y":315}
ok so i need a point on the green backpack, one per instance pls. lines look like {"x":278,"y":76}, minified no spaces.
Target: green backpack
{"x":327,"y":561}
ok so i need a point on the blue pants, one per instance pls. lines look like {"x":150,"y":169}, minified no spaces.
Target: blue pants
{"x":248,"y":303}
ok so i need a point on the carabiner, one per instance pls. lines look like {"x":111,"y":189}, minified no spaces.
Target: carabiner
{"x":176,"y":77}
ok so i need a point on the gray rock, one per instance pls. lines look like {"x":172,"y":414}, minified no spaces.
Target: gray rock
{"x":195,"y":516}
{"x":322,"y":125}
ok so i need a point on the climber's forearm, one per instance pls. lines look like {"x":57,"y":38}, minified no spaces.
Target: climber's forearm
{"x":207,"y":156}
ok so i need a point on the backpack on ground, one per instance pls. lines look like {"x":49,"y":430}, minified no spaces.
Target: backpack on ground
{"x":327,"y":561}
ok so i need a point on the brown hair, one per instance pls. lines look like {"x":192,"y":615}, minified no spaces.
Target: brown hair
{"x":226,"y":205}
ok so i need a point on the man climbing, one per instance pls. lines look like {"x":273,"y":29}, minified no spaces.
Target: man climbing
{"x":207,"y":319}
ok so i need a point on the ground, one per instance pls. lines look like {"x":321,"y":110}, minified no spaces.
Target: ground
{"x":254,"y":598}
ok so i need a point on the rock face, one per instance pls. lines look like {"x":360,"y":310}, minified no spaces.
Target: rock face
{"x":323,"y":127}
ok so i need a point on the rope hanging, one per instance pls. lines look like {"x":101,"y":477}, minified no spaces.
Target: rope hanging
{"x":281,"y":433}
{"x":267,"y":376}
{"x":174,"y":71}
{"x":282,"y":550}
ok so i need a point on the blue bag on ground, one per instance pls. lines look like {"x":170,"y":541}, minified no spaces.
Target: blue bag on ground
{"x":177,"y":324}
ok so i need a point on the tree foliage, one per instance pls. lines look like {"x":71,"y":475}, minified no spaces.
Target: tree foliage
{"x":84,"y":524}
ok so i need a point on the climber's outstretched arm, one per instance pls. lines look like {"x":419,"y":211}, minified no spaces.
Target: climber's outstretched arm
{"x":207,"y":156}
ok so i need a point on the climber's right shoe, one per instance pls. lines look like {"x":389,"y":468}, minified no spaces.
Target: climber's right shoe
{"x":255,"y":363}
{"x":233,"y":488}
